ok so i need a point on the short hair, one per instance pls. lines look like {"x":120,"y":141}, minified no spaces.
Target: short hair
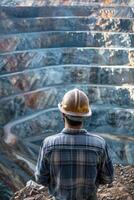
{"x":72,"y":122}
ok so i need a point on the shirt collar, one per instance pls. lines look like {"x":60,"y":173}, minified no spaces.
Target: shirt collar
{"x":74,"y":131}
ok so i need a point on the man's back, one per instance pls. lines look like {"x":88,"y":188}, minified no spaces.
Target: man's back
{"x":73,"y":163}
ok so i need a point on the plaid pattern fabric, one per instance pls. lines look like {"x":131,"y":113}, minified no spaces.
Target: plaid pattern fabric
{"x":73,"y":163}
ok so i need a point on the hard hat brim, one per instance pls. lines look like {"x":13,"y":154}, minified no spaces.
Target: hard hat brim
{"x":74,"y":113}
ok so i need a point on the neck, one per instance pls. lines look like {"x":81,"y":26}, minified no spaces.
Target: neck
{"x":72,"y":127}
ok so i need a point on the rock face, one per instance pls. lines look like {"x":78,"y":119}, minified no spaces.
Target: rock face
{"x":14,"y":172}
{"x":49,"y":47}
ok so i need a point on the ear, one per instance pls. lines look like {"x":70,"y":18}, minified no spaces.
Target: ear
{"x":63,"y":117}
{"x":63,"y":114}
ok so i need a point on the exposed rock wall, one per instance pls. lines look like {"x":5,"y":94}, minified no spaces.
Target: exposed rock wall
{"x":45,"y":51}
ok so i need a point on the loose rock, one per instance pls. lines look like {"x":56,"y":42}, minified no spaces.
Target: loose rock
{"x":122,"y":188}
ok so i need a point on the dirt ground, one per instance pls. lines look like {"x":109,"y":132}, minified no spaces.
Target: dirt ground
{"x":122,"y":188}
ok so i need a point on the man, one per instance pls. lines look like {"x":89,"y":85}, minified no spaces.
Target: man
{"x":74,"y":162}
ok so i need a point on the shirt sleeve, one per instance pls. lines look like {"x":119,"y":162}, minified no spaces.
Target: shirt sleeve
{"x":106,"y":170}
{"x":42,"y":168}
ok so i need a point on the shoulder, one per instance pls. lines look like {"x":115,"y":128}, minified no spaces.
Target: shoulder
{"x":51,"y":140}
{"x":97,"y":140}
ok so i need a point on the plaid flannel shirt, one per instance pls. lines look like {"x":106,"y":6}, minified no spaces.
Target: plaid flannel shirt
{"x":73,"y":163}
